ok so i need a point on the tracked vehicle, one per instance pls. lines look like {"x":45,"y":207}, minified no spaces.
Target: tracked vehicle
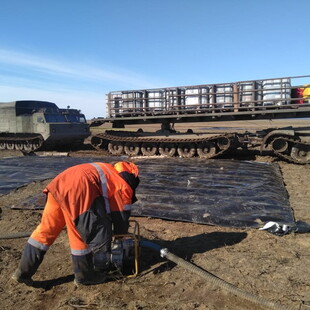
{"x":279,"y":98}
{"x":29,"y":125}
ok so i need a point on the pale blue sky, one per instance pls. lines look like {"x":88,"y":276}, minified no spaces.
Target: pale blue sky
{"x":73,"y":52}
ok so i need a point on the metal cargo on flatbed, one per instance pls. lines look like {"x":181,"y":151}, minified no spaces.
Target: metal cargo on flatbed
{"x":250,"y":98}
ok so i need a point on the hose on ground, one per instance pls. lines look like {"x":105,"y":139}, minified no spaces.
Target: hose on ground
{"x":16,"y":235}
{"x":213,"y":279}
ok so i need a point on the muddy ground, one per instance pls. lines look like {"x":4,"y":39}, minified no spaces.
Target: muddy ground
{"x":275,"y":268}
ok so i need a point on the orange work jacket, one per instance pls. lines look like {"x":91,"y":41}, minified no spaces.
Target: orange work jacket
{"x":89,"y":192}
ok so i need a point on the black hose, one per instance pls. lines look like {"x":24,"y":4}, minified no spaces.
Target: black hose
{"x":213,"y":279}
{"x":16,"y":235}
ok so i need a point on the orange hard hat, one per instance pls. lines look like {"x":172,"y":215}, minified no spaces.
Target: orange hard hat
{"x":128,"y":167}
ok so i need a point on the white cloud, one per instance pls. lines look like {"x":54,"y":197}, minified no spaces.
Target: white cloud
{"x":67,"y":69}
{"x":25,"y":76}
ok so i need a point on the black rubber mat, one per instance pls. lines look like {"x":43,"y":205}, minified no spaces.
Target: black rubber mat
{"x":216,"y":192}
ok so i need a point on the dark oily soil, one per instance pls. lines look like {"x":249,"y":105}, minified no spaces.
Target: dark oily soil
{"x":275,"y":268}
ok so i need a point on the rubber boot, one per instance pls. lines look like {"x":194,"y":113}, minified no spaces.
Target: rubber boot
{"x":31,"y":260}
{"x":84,"y":273}
{"x":102,"y":260}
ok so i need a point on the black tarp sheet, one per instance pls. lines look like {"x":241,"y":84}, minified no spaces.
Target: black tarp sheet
{"x":217,"y":192}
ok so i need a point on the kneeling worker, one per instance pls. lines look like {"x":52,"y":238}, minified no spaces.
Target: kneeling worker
{"x":93,"y":201}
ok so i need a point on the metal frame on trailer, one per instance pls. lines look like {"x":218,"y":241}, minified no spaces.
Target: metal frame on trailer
{"x":264,"y":98}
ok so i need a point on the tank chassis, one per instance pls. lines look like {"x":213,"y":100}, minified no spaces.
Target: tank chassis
{"x":23,"y":142}
{"x":290,"y":143}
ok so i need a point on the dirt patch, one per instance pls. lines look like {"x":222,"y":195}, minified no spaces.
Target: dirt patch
{"x":263,"y":264}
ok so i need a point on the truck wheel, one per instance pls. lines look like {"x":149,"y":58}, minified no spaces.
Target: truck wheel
{"x":149,"y":149}
{"x":28,"y":147}
{"x":301,"y":153}
{"x":187,"y":150}
{"x":19,"y":146}
{"x":167,"y":149}
{"x":132,"y":149}
{"x":115,"y":148}
{"x":206,"y":149}
{"x":10,"y":145}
